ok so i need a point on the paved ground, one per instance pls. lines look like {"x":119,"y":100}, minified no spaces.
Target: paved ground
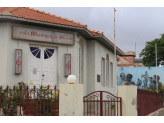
{"x":98,"y":114}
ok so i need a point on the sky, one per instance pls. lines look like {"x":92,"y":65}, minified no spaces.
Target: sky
{"x":133,"y":24}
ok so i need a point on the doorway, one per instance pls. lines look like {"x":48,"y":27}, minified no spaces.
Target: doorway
{"x":42,"y":68}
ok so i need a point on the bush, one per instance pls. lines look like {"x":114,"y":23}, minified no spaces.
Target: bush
{"x":47,"y":101}
{"x":43,"y":99}
{"x":10,"y":99}
{"x":160,"y":88}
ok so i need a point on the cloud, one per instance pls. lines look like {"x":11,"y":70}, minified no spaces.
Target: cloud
{"x":133,"y":24}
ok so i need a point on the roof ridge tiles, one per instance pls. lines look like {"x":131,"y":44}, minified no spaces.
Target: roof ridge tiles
{"x":68,"y":19}
{"x":47,"y":17}
{"x":91,"y":30}
{"x":56,"y":16}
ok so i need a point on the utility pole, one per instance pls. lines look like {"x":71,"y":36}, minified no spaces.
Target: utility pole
{"x":115,"y":53}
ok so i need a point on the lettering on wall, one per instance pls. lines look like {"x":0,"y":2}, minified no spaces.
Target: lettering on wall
{"x":67,"y":64}
{"x":42,"y":35}
{"x":18,"y":61}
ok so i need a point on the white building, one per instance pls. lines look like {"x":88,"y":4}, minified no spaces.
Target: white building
{"x":44,"y":40}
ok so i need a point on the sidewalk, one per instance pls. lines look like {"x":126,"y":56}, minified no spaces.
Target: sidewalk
{"x":159,"y":112}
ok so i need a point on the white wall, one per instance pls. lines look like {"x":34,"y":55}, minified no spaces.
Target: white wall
{"x":95,"y":51}
{"x":71,"y":100}
{"x":92,"y":53}
{"x":84,"y":63}
{"x":128,"y":93}
{"x":90,"y":67}
{"x":3,"y":52}
{"x":13,"y":44}
{"x":101,"y":51}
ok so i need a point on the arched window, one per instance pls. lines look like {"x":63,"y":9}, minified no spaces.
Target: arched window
{"x":103,"y":72}
{"x":111,"y":74}
{"x":81,"y":62}
{"x":107,"y":71}
{"x":35,"y":51}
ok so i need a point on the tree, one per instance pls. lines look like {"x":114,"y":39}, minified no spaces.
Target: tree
{"x":148,"y":53}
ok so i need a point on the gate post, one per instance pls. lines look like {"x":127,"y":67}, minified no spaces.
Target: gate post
{"x":71,"y":99}
{"x":101,"y":105}
{"x":128,"y":93}
{"x":1,"y":112}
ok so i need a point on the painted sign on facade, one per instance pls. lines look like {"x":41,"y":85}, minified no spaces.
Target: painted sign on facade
{"x":142,"y":77}
{"x":68,"y":64}
{"x":42,"y":35}
{"x":18,"y":61}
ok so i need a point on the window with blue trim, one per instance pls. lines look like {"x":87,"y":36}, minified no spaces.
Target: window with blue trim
{"x":35,"y":51}
{"x":48,"y":53}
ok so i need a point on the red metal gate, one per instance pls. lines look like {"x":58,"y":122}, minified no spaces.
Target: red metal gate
{"x":25,"y":101}
{"x":102,"y":103}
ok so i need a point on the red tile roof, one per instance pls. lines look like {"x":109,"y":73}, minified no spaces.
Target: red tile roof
{"x":33,"y":14}
{"x":121,"y":60}
{"x":129,"y":53}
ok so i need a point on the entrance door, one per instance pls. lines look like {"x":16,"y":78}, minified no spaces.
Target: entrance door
{"x":42,"y":66}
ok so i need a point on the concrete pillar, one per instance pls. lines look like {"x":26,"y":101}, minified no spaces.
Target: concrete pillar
{"x":1,"y":112}
{"x":71,"y":100}
{"x":18,"y":111}
{"x":128,"y":93}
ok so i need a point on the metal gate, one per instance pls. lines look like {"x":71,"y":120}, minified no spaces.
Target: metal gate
{"x":102,"y":103}
{"x":25,"y":101}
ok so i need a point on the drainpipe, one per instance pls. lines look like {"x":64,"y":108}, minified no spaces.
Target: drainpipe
{"x":115,"y":52}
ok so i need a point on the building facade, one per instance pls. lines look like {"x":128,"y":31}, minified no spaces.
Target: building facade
{"x":45,"y":49}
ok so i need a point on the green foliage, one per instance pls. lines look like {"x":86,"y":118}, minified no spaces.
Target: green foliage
{"x":148,"y":53}
{"x":112,"y":105}
{"x":10,"y":99}
{"x":138,"y":106}
{"x":160,"y":88}
{"x":48,"y":101}
{"x":45,"y":100}
{"x":162,"y":99}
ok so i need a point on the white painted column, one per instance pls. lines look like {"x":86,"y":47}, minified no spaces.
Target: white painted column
{"x":71,"y":99}
{"x":1,"y":112}
{"x":128,"y":93}
{"x":18,"y":111}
